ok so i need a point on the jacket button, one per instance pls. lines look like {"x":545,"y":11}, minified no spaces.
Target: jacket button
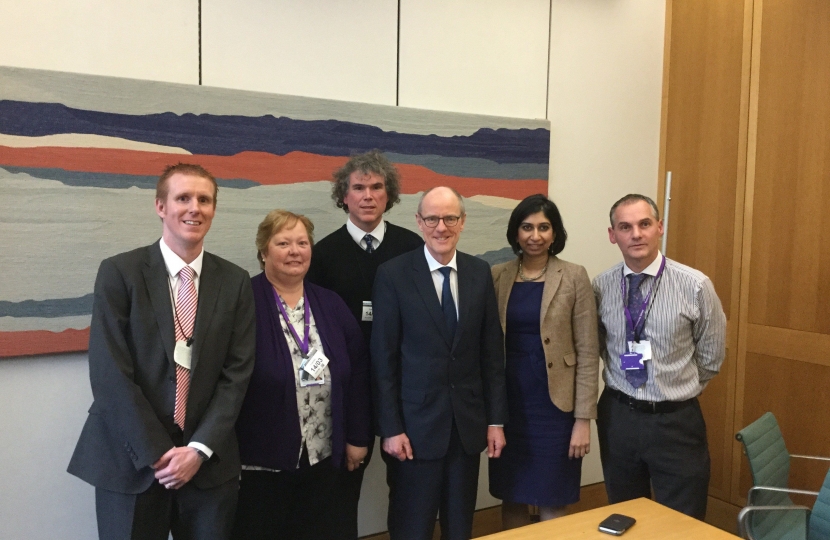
{"x":547,"y":340}
{"x":452,"y":386}
{"x":550,"y":364}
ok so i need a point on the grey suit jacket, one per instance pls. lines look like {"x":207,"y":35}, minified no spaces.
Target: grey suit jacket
{"x":423,"y":380}
{"x":568,"y":325}
{"x":131,"y":369}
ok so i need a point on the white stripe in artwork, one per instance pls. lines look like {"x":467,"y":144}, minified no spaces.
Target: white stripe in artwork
{"x":86,"y":140}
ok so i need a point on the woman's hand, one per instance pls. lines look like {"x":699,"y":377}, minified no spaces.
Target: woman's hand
{"x":355,"y":456}
{"x":580,"y":439}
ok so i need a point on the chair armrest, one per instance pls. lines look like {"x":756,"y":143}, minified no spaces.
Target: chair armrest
{"x":743,"y":516}
{"x":755,"y":489}
{"x":802,"y":456}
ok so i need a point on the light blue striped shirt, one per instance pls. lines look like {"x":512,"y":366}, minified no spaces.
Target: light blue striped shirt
{"x":686,"y":327}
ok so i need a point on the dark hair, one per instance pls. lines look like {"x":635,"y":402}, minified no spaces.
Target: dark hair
{"x":190,"y":169}
{"x":531,"y":205}
{"x":632,"y":198}
{"x":371,"y":162}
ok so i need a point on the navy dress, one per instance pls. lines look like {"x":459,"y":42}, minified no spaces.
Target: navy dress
{"x":534,"y":467}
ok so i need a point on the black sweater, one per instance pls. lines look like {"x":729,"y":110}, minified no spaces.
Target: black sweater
{"x":340,"y":264}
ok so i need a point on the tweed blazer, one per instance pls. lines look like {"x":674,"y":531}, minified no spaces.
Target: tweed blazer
{"x":568,"y":324}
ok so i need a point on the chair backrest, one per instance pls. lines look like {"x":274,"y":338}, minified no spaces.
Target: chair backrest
{"x":820,"y":516}
{"x":768,"y":457}
{"x":769,"y":462}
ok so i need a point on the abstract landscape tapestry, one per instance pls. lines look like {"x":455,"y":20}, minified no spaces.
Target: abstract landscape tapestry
{"x":80,"y":156}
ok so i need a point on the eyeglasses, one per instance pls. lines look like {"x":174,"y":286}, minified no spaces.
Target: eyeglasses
{"x":432,"y":221}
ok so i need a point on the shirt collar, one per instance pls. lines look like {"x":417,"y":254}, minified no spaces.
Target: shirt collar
{"x":174,"y":263}
{"x":435,"y":265}
{"x":650,"y":270}
{"x":357,"y":233}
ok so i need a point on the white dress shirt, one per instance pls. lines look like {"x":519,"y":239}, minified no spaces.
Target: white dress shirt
{"x":358,"y":234}
{"x":438,"y":277}
{"x":686,"y":327}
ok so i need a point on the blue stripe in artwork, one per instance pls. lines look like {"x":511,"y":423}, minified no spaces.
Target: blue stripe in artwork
{"x":226,"y":135}
{"x":110,"y":180}
{"x":63,"y":307}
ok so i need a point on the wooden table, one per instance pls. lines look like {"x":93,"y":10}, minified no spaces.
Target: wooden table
{"x":653,"y":521}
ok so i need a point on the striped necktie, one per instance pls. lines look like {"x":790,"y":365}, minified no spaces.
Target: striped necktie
{"x":370,"y":247}
{"x":186,"y":302}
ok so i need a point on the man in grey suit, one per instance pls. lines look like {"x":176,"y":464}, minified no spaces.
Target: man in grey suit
{"x":438,"y":375}
{"x":171,"y":349}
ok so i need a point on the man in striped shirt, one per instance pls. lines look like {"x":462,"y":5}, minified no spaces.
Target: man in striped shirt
{"x":662,"y":338}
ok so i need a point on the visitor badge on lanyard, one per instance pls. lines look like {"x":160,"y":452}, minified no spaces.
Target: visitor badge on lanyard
{"x":631,"y":360}
{"x":367,"y":311}
{"x":316,"y":363}
{"x":182,"y":353}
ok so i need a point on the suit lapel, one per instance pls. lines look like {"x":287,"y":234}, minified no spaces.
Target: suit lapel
{"x":553,"y":277}
{"x":209,"y":286}
{"x":158,"y":288}
{"x":426,"y":290}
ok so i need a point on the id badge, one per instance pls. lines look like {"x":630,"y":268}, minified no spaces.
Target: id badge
{"x":304,"y":377}
{"x":631,"y":360}
{"x":367,"y":311}
{"x":315,"y":364}
{"x":643,"y":347}
{"x":182,"y":354}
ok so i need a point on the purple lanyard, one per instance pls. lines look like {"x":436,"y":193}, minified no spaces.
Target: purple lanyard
{"x":303,"y":345}
{"x":642,"y":315}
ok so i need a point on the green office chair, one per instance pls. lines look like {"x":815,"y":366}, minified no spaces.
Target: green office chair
{"x":805,"y":524}
{"x":769,"y":462}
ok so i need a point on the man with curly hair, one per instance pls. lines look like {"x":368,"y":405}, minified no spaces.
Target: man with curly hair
{"x":346,"y":261}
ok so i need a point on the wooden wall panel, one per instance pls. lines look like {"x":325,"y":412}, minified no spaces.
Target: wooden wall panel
{"x":796,"y":393}
{"x":705,"y":98}
{"x":702,"y":135}
{"x":789,"y":284}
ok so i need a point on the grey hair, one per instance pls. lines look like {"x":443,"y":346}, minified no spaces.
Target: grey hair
{"x":633,"y":198}
{"x":455,"y":191}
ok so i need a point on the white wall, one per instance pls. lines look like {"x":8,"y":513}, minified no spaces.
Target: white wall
{"x":600,"y":89}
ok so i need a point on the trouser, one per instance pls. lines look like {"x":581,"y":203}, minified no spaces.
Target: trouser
{"x":189,"y":513}
{"x":290,"y":505}
{"x":665,"y":452}
{"x":347,"y":493}
{"x":420,"y":489}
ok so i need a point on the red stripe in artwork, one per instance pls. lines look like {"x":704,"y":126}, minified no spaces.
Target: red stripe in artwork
{"x":261,"y":167}
{"x":29,"y":342}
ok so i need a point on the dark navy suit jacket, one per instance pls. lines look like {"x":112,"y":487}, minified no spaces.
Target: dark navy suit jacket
{"x":423,"y":380}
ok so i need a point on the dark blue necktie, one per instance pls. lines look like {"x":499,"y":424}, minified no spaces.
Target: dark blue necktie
{"x":370,"y":248}
{"x":447,"y":303}
{"x":635,"y":377}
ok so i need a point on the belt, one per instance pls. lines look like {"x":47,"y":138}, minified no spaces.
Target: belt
{"x":651,"y":407}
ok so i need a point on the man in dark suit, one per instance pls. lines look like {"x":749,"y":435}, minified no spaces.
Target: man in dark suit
{"x":438,"y":367}
{"x":171,"y":349}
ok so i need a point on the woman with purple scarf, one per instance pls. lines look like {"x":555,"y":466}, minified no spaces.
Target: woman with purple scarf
{"x":307,"y":412}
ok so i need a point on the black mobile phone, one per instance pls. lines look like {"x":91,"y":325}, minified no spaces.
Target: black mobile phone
{"x":616,"y":524}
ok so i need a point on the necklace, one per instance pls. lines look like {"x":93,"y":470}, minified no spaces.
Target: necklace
{"x":523,"y":277}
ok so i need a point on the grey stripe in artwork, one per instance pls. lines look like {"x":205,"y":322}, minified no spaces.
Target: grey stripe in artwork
{"x":61,"y":307}
{"x":475,"y":167}
{"x":110,"y":180}
{"x":130,"y":96}
{"x":498,"y":256}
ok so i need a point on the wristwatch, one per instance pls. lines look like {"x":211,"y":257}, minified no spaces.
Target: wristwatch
{"x":204,"y":457}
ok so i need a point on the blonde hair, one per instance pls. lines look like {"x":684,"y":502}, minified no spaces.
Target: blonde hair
{"x":274,"y":222}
